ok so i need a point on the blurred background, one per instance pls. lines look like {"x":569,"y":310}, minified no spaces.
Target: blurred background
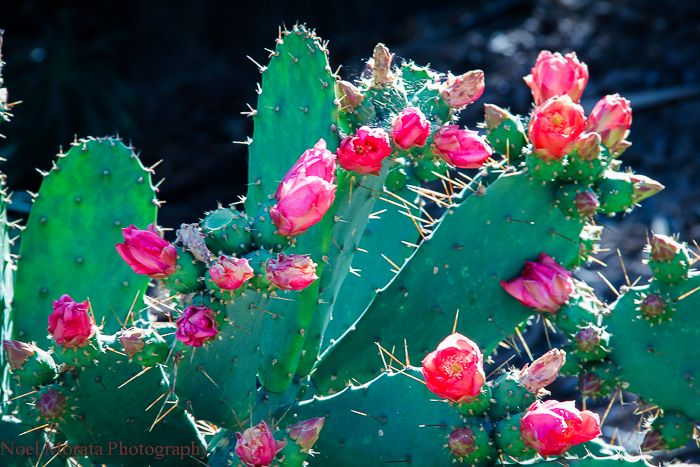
{"x":173,"y":77}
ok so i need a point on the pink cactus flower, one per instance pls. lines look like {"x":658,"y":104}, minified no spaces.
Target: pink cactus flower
{"x":306,"y":192}
{"x":543,"y":371}
{"x":17,"y":353}
{"x":611,"y":118}
{"x":306,"y":433}
{"x":147,"y":253}
{"x":70,"y":324}
{"x":555,"y":127}
{"x":411,"y":128}
{"x":552,"y":427}
{"x":196,"y":326}
{"x":256,"y":447}
{"x":544,"y":285}
{"x":455,"y":370}
{"x":461,"y":148}
{"x":293,"y":272}
{"x":554,"y":75}
{"x":464,"y":89}
{"x":364,"y":152}
{"x":230,"y":273}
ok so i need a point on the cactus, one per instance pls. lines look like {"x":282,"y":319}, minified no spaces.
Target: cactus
{"x":304,"y":320}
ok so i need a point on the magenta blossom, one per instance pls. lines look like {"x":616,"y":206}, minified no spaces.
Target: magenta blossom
{"x":256,"y":447}
{"x":70,"y":324}
{"x":461,"y":148}
{"x":147,"y":253}
{"x":364,"y":152}
{"x":306,"y":192}
{"x":293,"y":272}
{"x":196,"y":326}
{"x":557,"y":75}
{"x":611,"y":118}
{"x":411,"y":128}
{"x":544,"y":285}
{"x":230,"y":273}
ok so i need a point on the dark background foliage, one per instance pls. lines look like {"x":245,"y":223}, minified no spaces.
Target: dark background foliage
{"x":172,"y":77}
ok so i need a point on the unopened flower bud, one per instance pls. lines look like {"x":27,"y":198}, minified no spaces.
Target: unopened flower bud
{"x":612,"y":117}
{"x":70,"y":324}
{"x":644,"y":187}
{"x":230,"y":273}
{"x":587,"y":203}
{"x":543,"y":371}
{"x":462,"y":442}
{"x":653,"y":306}
{"x":381,"y":65}
{"x":410,"y":128}
{"x":293,"y":272}
{"x":196,"y":326}
{"x":132,"y":341}
{"x":590,"y":384}
{"x":17,"y":353}
{"x":544,"y":285}
{"x":587,"y":146}
{"x":587,"y":339}
{"x":495,"y":116}
{"x":51,"y":404}
{"x":664,"y":248}
{"x":350,"y":97}
{"x":557,"y":75}
{"x":256,"y":447}
{"x":306,"y":433}
{"x":464,"y":89}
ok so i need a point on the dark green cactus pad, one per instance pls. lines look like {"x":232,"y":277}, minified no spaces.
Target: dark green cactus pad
{"x":216,"y":382}
{"x":295,"y":109}
{"x":186,"y":277}
{"x":369,"y":425}
{"x":675,"y":428}
{"x":509,"y":396}
{"x":286,"y":341}
{"x":508,"y":438}
{"x":598,"y":378}
{"x":466,"y":260}
{"x":95,"y":189}
{"x":227,"y":231}
{"x":479,"y":404}
{"x":24,"y":450}
{"x":509,"y":138}
{"x":104,"y":415}
{"x":650,"y":354}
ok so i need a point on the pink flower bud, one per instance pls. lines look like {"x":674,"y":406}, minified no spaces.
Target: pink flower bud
{"x":230,"y":273}
{"x":306,"y":433}
{"x":306,"y":192}
{"x":196,"y":326}
{"x":552,"y":427}
{"x":543,"y":371}
{"x":462,"y":442}
{"x":17,"y":353}
{"x":455,"y":370}
{"x":554,"y":75}
{"x":70,"y":324}
{"x":590,"y":384}
{"x":380,"y":64}
{"x":643,"y":187}
{"x":611,"y":118}
{"x":555,"y":126}
{"x":147,"y":253}
{"x":256,"y":447}
{"x":411,"y":128}
{"x":587,"y":203}
{"x":51,"y":404}
{"x":544,"y":285}
{"x":495,"y":116}
{"x":132,"y":341}
{"x":587,"y":146}
{"x":293,"y":272}
{"x":463,"y":90}
{"x":364,"y":152}
{"x":461,"y":148}
{"x":349,"y":96}
{"x":664,"y":248}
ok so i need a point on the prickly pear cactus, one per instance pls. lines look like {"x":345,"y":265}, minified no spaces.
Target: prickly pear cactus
{"x":298,"y":318}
